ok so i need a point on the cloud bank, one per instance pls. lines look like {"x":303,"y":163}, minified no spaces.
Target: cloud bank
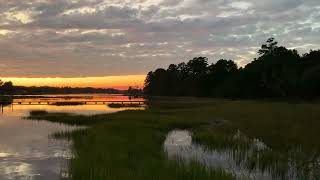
{"x":75,"y":38}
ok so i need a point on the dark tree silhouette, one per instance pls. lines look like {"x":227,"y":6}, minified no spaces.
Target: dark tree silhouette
{"x":310,"y":74}
{"x":198,"y":65}
{"x":274,"y":74}
{"x":134,"y":91}
{"x":277,"y":73}
{"x":6,"y":87}
{"x":156,"y":82}
{"x":219,"y":74}
{"x":268,"y":47}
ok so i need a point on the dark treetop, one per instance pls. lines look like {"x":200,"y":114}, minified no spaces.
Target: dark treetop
{"x":278,"y":72}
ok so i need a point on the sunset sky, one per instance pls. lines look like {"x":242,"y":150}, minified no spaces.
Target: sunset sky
{"x":114,"y":43}
{"x":118,"y":82}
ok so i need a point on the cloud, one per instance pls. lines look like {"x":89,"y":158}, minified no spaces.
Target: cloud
{"x":118,"y":37}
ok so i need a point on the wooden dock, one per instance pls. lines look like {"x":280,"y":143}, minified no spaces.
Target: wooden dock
{"x":69,"y":102}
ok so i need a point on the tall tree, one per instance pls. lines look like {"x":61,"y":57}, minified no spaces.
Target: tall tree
{"x":310,"y":74}
{"x":268,"y":47}
{"x":218,"y":74}
{"x":198,"y":65}
{"x":7,"y":87}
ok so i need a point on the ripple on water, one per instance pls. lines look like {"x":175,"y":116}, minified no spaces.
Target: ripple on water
{"x":178,"y":144}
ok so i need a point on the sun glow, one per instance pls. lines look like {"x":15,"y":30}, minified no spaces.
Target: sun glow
{"x":119,"y":82}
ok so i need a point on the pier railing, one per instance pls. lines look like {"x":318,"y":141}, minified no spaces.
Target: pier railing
{"x":70,"y":102}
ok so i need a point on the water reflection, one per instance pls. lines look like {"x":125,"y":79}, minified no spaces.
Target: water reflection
{"x":13,"y":107}
{"x":26,"y":152}
{"x":250,"y":159}
{"x":16,"y":170}
{"x":27,"y":149}
{"x":5,"y":101}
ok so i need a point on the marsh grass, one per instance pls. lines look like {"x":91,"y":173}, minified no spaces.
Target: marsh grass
{"x":125,"y":105}
{"x":128,"y":144}
{"x":35,"y":113}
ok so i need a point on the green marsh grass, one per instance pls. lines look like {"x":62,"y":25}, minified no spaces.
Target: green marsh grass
{"x":129,"y":144}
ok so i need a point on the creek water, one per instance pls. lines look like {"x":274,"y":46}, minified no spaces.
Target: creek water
{"x":27,"y":152}
{"x":246,"y":159}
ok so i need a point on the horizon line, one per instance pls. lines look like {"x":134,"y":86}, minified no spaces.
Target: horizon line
{"x":117,"y":82}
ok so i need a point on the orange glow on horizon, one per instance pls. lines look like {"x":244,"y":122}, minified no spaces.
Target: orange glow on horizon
{"x":118,"y":82}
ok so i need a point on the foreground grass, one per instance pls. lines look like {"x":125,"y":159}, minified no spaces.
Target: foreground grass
{"x":128,"y":144}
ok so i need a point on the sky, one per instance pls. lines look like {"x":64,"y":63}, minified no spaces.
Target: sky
{"x":112,"y":42}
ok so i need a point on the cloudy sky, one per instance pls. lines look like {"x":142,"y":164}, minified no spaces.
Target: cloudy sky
{"x":93,"y":38}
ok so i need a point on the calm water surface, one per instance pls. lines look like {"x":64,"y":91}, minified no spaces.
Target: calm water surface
{"x":246,"y":160}
{"x":27,"y":152}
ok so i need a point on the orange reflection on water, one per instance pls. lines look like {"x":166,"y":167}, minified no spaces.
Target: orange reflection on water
{"x":26,"y":152}
{"x":23,"y":109}
{"x":79,"y":97}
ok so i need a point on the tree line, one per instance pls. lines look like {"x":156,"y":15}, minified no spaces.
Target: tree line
{"x":7,"y":88}
{"x":278,"y":72}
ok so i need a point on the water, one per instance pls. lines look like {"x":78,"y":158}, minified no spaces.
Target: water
{"x":245,"y":161}
{"x":27,"y":152}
